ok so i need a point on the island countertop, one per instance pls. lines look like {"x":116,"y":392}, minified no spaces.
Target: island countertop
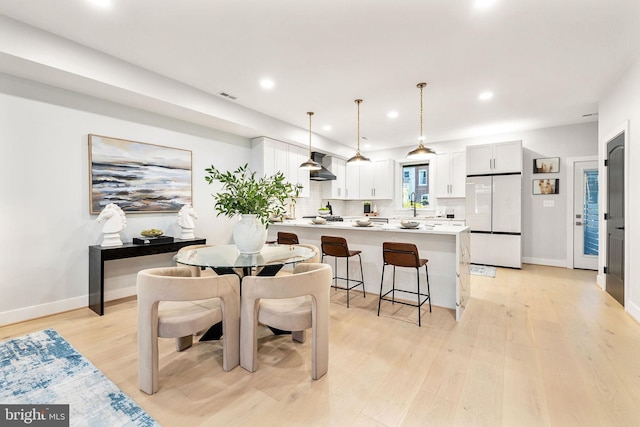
{"x":445,"y":246}
{"x":376,"y":227}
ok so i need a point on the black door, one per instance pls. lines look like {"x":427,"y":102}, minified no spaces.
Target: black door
{"x":615,"y":218}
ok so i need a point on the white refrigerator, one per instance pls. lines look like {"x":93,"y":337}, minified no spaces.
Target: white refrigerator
{"x":494,"y":214}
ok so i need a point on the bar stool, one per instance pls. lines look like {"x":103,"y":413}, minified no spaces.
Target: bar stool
{"x":337,"y":247}
{"x":287,"y":238}
{"x":404,"y":255}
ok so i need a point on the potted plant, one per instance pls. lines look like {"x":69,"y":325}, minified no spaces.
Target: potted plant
{"x":254,"y":199}
{"x":322,"y":211}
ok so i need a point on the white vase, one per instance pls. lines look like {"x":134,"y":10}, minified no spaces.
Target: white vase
{"x":249,"y":234}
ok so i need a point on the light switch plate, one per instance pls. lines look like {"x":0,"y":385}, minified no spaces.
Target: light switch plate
{"x":549,"y":203}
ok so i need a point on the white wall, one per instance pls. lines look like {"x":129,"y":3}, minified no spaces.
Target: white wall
{"x":620,"y":109}
{"x":544,"y":230}
{"x":44,"y":193}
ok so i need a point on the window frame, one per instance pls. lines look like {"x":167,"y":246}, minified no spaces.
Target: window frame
{"x":400,"y":187}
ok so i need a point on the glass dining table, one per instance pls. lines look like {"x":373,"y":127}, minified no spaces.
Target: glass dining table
{"x":227,"y":259}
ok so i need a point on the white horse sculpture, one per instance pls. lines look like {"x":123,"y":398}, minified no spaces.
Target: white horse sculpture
{"x":185,"y":220}
{"x":115,"y":222}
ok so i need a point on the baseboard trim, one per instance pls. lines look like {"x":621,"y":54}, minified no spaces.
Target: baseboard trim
{"x":544,"y":261}
{"x":56,"y":307}
{"x":41,"y":310}
{"x":633,"y":310}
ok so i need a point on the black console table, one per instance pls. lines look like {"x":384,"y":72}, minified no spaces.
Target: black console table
{"x":98,"y":255}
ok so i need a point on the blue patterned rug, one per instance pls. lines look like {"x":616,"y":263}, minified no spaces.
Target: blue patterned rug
{"x":43,"y":368}
{"x":483,"y":270}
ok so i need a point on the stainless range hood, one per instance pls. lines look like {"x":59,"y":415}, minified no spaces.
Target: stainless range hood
{"x":323,"y":174}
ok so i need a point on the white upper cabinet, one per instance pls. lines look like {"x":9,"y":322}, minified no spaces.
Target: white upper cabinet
{"x":295,"y":175}
{"x":269,"y":156}
{"x":352,"y":182}
{"x":503,"y":157}
{"x":450,"y":174}
{"x":376,"y":180}
{"x":335,"y":189}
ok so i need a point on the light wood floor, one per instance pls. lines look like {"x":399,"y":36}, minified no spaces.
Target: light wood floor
{"x":536,"y":347}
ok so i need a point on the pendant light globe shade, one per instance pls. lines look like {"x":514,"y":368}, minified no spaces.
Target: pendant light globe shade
{"x":422,"y":152}
{"x":310,"y":164}
{"x":358,"y":159}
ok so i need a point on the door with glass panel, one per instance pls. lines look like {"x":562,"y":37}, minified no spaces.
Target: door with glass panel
{"x":585,"y":215}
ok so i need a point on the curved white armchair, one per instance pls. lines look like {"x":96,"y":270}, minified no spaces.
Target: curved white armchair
{"x":197,"y":271}
{"x":294,"y":303}
{"x":173,"y":304}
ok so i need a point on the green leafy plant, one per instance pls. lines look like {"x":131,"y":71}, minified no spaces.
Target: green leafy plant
{"x":243,"y":193}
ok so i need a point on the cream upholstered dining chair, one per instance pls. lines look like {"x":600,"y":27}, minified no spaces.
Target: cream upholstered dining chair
{"x":291,"y":303}
{"x":287,"y":269}
{"x":174,"y":304}
{"x":197,"y":271}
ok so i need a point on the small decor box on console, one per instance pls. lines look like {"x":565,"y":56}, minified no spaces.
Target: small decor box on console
{"x":152,"y":240}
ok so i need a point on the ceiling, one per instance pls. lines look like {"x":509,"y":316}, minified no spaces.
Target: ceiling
{"x":546,"y":61}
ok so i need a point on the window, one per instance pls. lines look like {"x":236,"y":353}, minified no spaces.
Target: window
{"x":415,"y":185}
{"x":422,"y":174}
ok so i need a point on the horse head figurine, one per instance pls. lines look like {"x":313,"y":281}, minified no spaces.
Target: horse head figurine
{"x":185,"y":220}
{"x":114,"y":222}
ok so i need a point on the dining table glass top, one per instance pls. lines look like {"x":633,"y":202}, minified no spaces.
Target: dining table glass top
{"x":228,"y":256}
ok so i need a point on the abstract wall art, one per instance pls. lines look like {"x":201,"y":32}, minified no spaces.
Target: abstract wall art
{"x":137,"y":176}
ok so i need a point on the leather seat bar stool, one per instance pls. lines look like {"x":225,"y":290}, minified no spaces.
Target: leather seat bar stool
{"x":404,"y":255}
{"x":337,"y":247}
{"x":287,"y":238}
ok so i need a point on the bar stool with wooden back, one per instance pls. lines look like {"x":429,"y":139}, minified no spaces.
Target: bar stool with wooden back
{"x":285,"y":238}
{"x":404,"y":255}
{"x":337,"y":247}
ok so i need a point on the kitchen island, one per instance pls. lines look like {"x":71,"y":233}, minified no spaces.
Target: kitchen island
{"x":446,"y":248}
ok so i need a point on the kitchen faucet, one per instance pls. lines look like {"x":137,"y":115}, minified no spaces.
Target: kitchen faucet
{"x":412,"y":199}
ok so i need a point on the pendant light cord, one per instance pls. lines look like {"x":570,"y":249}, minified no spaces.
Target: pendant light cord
{"x":310,"y":114}
{"x":358,"y":101}
{"x":421,"y":86}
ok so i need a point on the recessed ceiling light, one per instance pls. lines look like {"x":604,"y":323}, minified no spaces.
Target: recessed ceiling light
{"x":484,"y":3}
{"x":485,"y":96}
{"x":102,"y":3}
{"x":366,"y":145}
{"x":326,"y":127}
{"x":267,"y":83}
{"x":392,"y":114}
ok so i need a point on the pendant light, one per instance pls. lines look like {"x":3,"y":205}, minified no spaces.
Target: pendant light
{"x":310,"y":164}
{"x":358,"y":159}
{"x":421,"y":152}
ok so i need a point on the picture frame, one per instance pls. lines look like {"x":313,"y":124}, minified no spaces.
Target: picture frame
{"x":546,"y":186}
{"x":546,"y":165}
{"x":137,"y":176}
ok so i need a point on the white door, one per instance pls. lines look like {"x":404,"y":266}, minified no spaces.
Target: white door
{"x":585,"y":215}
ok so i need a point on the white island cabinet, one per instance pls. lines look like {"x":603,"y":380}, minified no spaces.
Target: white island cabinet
{"x":446,"y":248}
